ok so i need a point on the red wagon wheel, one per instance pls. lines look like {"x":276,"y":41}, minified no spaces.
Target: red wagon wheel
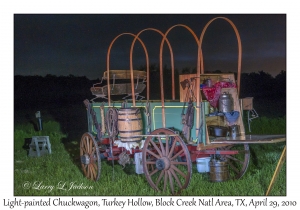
{"x":90,"y":157}
{"x":238,"y":163}
{"x":166,"y":161}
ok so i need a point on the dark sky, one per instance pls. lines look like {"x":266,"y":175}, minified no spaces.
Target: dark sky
{"x":64,"y":44}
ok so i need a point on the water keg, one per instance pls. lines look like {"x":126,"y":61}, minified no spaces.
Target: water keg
{"x":225,"y":103}
{"x":130,"y":124}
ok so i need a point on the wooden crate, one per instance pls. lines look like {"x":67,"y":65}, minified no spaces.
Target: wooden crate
{"x":247,"y":103}
{"x":215,"y":120}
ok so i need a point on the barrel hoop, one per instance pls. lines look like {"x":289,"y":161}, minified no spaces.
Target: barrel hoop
{"x":133,"y":137}
{"x":130,"y":131}
{"x":127,"y":113}
{"x":130,"y":119}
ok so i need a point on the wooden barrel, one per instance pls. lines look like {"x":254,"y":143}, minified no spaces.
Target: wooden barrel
{"x":218,"y":170}
{"x":130,"y":124}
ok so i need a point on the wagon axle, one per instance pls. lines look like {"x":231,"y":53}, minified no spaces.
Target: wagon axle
{"x":85,"y":159}
{"x":163,"y":163}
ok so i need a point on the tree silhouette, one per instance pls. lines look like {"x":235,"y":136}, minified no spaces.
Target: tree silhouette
{"x":37,"y":91}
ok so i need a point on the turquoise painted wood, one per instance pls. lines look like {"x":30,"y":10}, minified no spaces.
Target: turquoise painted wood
{"x":173,"y":111}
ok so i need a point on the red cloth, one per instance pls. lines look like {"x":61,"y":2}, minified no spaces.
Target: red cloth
{"x":213,"y":93}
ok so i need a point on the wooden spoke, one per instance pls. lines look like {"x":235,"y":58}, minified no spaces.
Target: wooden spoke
{"x":162,"y":147}
{"x":152,"y":153}
{"x":159,"y":178}
{"x":83,"y":147}
{"x":171,"y":181}
{"x":234,"y":159}
{"x":178,"y":163}
{"x":155,"y":147}
{"x":167,"y":145}
{"x":153,"y":172}
{"x":150,"y":162}
{"x":172,"y":148}
{"x":177,"y":154}
{"x":234,"y":168}
{"x":93,"y":150}
{"x":176,"y":178}
{"x":239,"y":162}
{"x":166,"y":180}
{"x":180,"y":172}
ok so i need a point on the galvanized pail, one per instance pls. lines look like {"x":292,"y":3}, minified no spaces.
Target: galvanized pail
{"x":218,"y":170}
{"x":234,"y":131}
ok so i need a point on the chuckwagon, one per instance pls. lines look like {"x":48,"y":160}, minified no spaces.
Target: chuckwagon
{"x":166,"y":136}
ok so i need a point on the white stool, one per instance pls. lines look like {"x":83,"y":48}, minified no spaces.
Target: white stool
{"x":40,"y":145}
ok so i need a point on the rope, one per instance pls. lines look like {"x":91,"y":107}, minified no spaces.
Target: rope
{"x":188,"y":121}
{"x":102,"y":118}
{"x":112,"y":122}
{"x":112,"y":130}
{"x":189,"y":116}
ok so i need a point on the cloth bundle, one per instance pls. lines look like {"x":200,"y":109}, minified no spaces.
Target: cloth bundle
{"x":213,"y":93}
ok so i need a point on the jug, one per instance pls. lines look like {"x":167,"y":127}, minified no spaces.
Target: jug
{"x":208,"y":82}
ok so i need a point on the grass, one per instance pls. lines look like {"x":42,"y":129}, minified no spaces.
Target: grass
{"x":55,"y":174}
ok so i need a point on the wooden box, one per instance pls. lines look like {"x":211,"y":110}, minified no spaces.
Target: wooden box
{"x":215,"y":120}
{"x":247,"y":103}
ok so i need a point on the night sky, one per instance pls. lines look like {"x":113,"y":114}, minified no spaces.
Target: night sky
{"x":77,"y":44}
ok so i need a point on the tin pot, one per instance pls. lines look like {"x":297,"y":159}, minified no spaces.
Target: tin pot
{"x":218,"y":131}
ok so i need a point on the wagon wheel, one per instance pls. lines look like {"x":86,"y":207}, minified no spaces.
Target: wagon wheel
{"x":238,"y":163}
{"x":166,"y":161}
{"x":90,"y":157}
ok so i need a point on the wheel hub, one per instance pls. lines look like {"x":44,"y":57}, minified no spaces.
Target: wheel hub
{"x":85,"y":159}
{"x":163,"y":163}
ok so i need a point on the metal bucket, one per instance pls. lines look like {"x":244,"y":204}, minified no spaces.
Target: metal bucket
{"x":225,"y":103}
{"x":203,"y":164}
{"x":218,"y":131}
{"x":234,"y":131}
{"x":130,"y":124}
{"x":218,"y":170}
